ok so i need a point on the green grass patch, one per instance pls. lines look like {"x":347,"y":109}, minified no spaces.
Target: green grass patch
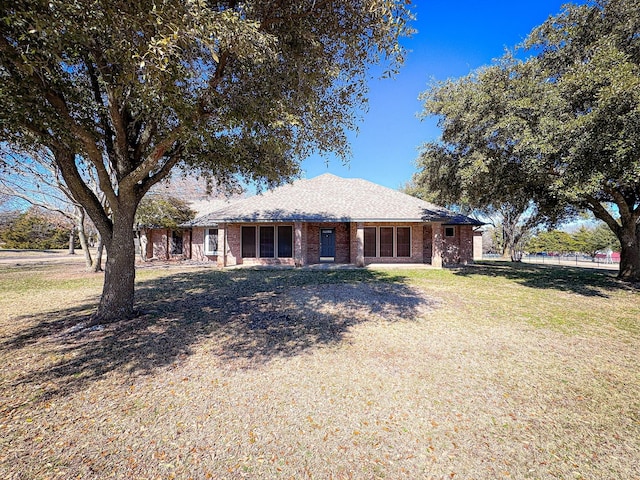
{"x":23,"y":280}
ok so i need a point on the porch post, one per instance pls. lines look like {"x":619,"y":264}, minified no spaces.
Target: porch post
{"x":221,"y":259}
{"x":360,"y":244}
{"x":297,"y":244}
{"x":436,"y":245}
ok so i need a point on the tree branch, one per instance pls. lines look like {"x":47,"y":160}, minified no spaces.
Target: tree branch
{"x":81,"y":192}
{"x":97,"y":94}
{"x":600,"y":212}
{"x":171,"y":162}
{"x":142,"y":171}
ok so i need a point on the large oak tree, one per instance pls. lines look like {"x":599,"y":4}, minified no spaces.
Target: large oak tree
{"x":560,"y":128}
{"x":134,"y":88}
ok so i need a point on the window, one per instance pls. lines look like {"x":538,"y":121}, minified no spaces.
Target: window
{"x":248,"y":242}
{"x":176,"y":242}
{"x":267,"y":241}
{"x":392,"y":242}
{"x":285,"y":242}
{"x":449,"y":231}
{"x":386,"y":241}
{"x":370,"y":243}
{"x":403,"y":241}
{"x":211,"y":241}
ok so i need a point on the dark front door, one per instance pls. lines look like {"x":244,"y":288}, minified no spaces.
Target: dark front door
{"x":327,"y":244}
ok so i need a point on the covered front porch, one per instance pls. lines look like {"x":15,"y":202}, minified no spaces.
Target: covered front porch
{"x":318,"y":243}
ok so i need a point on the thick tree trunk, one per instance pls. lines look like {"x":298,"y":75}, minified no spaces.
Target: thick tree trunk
{"x":627,"y":229}
{"x":629,"y":253}
{"x":117,"y":298}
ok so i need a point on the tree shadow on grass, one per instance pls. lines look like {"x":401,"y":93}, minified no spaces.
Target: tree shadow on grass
{"x":582,"y":281}
{"x":246,"y":316}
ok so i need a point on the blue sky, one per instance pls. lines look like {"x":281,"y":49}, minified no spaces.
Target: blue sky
{"x":453,"y":39}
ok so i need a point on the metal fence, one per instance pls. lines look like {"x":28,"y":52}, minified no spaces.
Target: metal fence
{"x":576,"y":260}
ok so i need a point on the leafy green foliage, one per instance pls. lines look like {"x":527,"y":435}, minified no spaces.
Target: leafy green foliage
{"x":169,"y":212}
{"x":552,"y":241}
{"x":223,"y":88}
{"x":551,"y":134}
{"x":33,"y":230}
{"x":478,"y":163}
{"x":584,"y":240}
{"x":592,"y":240}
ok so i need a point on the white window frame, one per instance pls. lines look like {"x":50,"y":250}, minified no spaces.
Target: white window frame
{"x":207,"y":233}
{"x":450,"y":229}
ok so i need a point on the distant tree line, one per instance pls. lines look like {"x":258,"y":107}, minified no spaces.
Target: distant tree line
{"x":589,"y":241}
{"x":36,"y":229}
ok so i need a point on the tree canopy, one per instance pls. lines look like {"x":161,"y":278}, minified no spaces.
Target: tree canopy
{"x":554,"y":133}
{"x":222,"y":87}
{"x":155,"y":211}
{"x":36,"y":228}
{"x":584,"y":240}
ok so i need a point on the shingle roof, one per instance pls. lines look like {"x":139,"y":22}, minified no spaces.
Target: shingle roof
{"x":328,"y":198}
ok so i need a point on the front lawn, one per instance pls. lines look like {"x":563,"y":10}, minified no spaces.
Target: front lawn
{"x":492,"y":371}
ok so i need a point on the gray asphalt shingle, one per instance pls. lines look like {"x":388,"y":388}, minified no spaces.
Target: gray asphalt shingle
{"x":329,"y":198}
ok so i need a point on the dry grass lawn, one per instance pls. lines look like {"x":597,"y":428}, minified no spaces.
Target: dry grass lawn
{"x":492,"y":371}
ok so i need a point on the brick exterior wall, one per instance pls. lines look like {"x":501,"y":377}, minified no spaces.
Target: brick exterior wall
{"x":427,"y":245}
{"x":353,"y":234}
{"x":233,"y":244}
{"x":417,"y":250}
{"x":342,"y":237}
{"x":466,"y":244}
{"x":311,"y":244}
{"x":451,"y":246}
{"x":198,"y":247}
{"x":158,"y":239}
{"x":456,"y":250}
{"x":159,"y":244}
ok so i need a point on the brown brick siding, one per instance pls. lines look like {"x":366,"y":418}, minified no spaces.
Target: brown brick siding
{"x":427,"y":246}
{"x":159,"y":244}
{"x":466,"y":244}
{"x":311,"y":244}
{"x":158,"y":238}
{"x":456,"y":250}
{"x":459,"y":248}
{"x":353,"y":234}
{"x":233,"y":244}
{"x":197,"y":246}
{"x":417,"y":252}
{"x":312,"y":240}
